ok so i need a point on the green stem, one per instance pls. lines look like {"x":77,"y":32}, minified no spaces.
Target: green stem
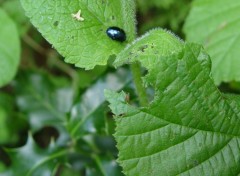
{"x":141,"y":91}
{"x":45,"y":160}
{"x":98,"y":162}
{"x":35,"y":46}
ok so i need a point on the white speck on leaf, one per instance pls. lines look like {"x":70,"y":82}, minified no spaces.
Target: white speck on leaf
{"x":77,"y":16}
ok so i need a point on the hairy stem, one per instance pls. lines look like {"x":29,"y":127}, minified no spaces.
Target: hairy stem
{"x":141,"y":91}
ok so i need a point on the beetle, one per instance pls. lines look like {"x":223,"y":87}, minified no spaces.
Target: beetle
{"x":115,"y":33}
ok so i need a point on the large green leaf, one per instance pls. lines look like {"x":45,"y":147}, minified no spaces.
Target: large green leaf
{"x":83,"y":43}
{"x":216,"y":25}
{"x":9,"y":49}
{"x":190,"y":128}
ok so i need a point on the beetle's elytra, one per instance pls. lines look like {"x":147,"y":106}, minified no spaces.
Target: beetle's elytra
{"x":115,"y":33}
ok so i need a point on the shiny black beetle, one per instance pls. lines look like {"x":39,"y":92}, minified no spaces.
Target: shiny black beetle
{"x":115,"y":33}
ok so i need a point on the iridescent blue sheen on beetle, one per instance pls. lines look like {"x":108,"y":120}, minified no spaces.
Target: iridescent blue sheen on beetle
{"x":115,"y":33}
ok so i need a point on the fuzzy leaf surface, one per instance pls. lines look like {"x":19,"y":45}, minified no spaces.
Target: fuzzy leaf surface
{"x":151,"y":45}
{"x":83,"y":43}
{"x":217,"y":24}
{"x":9,"y":49}
{"x":190,"y":128}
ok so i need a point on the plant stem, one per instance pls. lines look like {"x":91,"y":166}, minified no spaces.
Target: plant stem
{"x":141,"y":91}
{"x":98,"y":162}
{"x":34,"y":45}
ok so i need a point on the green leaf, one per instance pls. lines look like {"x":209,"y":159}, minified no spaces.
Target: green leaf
{"x":88,"y":114}
{"x":11,"y":122}
{"x":216,"y":25}
{"x":45,"y":99}
{"x":9,"y":49}
{"x":6,"y":104}
{"x":4,"y":131}
{"x":83,"y":43}
{"x":156,"y":43}
{"x":16,"y":12}
{"x":31,"y":160}
{"x":190,"y":128}
{"x":2,"y":167}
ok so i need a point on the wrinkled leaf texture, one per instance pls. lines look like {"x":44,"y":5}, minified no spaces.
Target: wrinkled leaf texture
{"x":190,"y":128}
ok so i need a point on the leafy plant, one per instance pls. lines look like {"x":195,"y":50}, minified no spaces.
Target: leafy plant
{"x":169,"y":117}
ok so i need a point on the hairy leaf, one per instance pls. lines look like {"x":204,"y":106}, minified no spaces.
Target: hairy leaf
{"x":190,"y":128}
{"x":150,"y":46}
{"x":83,"y":43}
{"x":9,"y":49}
{"x":216,"y":25}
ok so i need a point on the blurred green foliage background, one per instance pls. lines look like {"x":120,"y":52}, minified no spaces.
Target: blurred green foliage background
{"x":53,"y":116}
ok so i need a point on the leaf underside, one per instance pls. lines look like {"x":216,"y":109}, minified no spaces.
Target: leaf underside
{"x":83,"y":43}
{"x":217,"y":24}
{"x":190,"y":128}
